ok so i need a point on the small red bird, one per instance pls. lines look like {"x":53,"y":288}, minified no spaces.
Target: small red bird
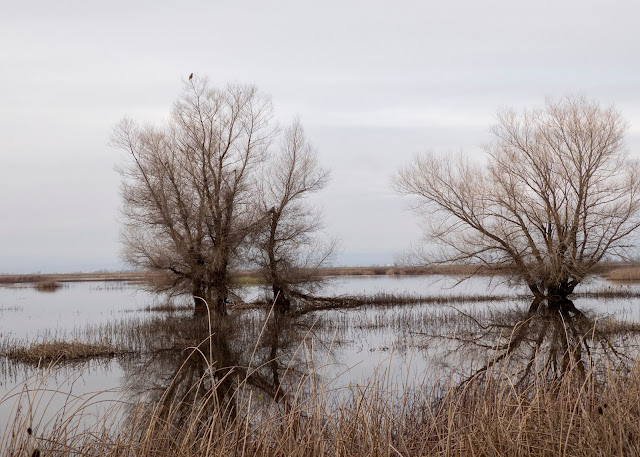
{"x":190,"y":76}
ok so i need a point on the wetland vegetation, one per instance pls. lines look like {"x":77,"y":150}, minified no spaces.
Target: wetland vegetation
{"x":394,"y":374}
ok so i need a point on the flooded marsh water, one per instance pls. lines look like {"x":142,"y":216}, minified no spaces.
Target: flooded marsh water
{"x":414,"y":343}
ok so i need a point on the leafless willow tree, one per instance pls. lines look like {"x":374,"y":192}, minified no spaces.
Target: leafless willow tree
{"x":188,"y":204}
{"x":557,"y":195}
{"x":288,"y":248}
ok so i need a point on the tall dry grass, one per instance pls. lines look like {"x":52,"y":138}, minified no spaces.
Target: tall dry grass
{"x":225,"y":412}
{"x":625,"y":274}
{"x":577,"y":415}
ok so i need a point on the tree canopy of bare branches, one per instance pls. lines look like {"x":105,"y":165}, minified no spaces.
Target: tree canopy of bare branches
{"x":557,"y":195}
{"x":288,"y":250}
{"x":187,"y":193}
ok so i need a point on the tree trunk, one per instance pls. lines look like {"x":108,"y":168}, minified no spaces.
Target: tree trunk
{"x":282,"y":303}
{"x":220,"y":296}
{"x":201,"y":298}
{"x":557,"y":300}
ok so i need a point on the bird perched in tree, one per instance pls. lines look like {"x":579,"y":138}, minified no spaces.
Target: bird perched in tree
{"x":190,"y":76}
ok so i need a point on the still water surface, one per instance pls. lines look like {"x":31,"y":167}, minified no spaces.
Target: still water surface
{"x":345,"y":346}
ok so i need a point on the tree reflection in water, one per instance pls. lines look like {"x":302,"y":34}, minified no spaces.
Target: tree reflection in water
{"x":233,"y":369}
{"x":547,"y":341}
{"x":215,"y":368}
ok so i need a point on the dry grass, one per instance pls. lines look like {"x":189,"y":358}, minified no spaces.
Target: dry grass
{"x":76,"y":277}
{"x":581,"y":414}
{"x":47,"y":286}
{"x":611,"y":270}
{"x":626,"y":274}
{"x":573,"y":416}
{"x":62,"y":351}
{"x":596,"y":412}
{"x":454,"y":270}
{"x":169,"y":307}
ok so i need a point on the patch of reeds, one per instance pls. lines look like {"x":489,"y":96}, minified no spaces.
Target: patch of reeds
{"x":248,"y":280}
{"x":399,"y":299}
{"x":577,"y":415}
{"x":450,"y":270}
{"x":134,"y":277}
{"x":48,"y":285}
{"x":625,"y":274}
{"x":169,"y":307}
{"x":19,"y":279}
{"x":387,"y":299}
{"x":396,"y":299}
{"x":63,"y":351}
{"x":607,"y":293}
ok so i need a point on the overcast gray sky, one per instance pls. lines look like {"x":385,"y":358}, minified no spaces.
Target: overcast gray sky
{"x":373,"y":82}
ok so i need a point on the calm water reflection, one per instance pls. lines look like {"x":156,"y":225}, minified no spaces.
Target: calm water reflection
{"x":181,"y":364}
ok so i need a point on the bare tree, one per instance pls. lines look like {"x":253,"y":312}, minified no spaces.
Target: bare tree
{"x":288,"y":250}
{"x":187,"y":187}
{"x":557,"y":195}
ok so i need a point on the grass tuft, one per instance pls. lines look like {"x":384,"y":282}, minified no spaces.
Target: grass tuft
{"x":48,"y":285}
{"x":62,"y":351}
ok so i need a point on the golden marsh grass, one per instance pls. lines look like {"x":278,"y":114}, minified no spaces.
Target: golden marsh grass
{"x":62,"y":351}
{"x":573,"y":416}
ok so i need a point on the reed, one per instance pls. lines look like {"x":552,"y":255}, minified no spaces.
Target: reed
{"x":48,"y":285}
{"x":626,"y":274}
{"x":597,"y":413}
{"x":64,"y":351}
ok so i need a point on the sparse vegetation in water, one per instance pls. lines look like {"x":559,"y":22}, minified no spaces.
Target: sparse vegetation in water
{"x":47,"y":285}
{"x":251,"y":388}
{"x":574,"y":415}
{"x":169,"y":307}
{"x":63,"y":351}
{"x":248,"y":280}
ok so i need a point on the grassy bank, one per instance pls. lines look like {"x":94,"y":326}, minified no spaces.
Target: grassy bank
{"x":625,"y":274}
{"x":47,"y":286}
{"x":74,"y":277}
{"x":613,"y":271}
{"x":245,"y":277}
